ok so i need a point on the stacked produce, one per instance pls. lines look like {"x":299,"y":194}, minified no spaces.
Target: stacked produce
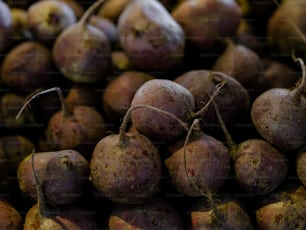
{"x":147,"y":114}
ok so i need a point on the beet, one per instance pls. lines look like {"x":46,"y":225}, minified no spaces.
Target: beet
{"x":279,"y":115}
{"x":154,"y":215}
{"x":259,"y":167}
{"x":84,"y":123}
{"x":10,"y":218}
{"x":21,"y":30}
{"x":286,"y":28}
{"x":224,"y":214}
{"x":62,"y":217}
{"x":126,"y":167}
{"x":206,"y":21}
{"x":234,"y":101}
{"x":113,"y":9}
{"x":119,"y":93}
{"x":63,"y":176}
{"x":244,"y":65}
{"x":150,"y":36}
{"x":47,"y":19}
{"x":288,"y":212}
{"x":28,"y":66}
{"x":300,"y":166}
{"x":168,"y":96}
{"x":82,"y":52}
{"x":199,"y":166}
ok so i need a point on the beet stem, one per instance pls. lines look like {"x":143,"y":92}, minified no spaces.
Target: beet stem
{"x":65,"y":110}
{"x":218,"y":87}
{"x":39,"y":190}
{"x":300,"y":88}
{"x":129,"y":112}
{"x":230,"y":142}
{"x":89,"y":12}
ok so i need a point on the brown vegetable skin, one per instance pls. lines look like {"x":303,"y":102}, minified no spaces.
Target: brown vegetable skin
{"x":112,"y":9}
{"x":127,"y":172}
{"x":20,"y":25}
{"x":6,"y":26}
{"x":168,"y":96}
{"x":27,"y":66}
{"x":80,"y":131}
{"x":154,"y":215}
{"x":205,"y":21}
{"x":10,"y":218}
{"x":227,"y":215}
{"x":233,"y":102}
{"x":150,"y":36}
{"x":63,"y":175}
{"x":207,"y":165}
{"x":283,"y":36}
{"x":287,"y":213}
{"x":119,"y":93}
{"x":63,"y":217}
{"x":259,"y":167}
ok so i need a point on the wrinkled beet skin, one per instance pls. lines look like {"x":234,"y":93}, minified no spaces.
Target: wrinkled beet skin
{"x":259,"y":167}
{"x":166,"y":95}
{"x":279,"y":120}
{"x":204,"y":21}
{"x":64,"y":217}
{"x":233,"y":101}
{"x":126,"y":173}
{"x":150,"y":36}
{"x":28,"y":66}
{"x":10,"y":218}
{"x":232,"y":216}
{"x":83,"y":129}
{"x":63,"y":175}
{"x":82,"y":53}
{"x":6,"y":26}
{"x":154,"y":215}
{"x":119,"y":93}
{"x":207,"y":162}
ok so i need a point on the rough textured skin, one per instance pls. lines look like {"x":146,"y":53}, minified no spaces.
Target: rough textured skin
{"x":47,"y":19}
{"x":63,"y":175}
{"x":119,"y":93}
{"x":205,"y":21}
{"x":207,"y":164}
{"x":259,"y":167}
{"x":230,"y":215}
{"x":154,"y":215}
{"x":10,"y":218}
{"x":150,"y":36}
{"x":282,"y":35}
{"x":106,"y":26}
{"x":126,"y":172}
{"x":280,"y":119}
{"x":64,"y":217}
{"x":165,"y":95}
{"x":6,"y":26}
{"x":82,"y":53}
{"x":287,"y":213}
{"x":233,"y":101}
{"x":80,"y":130}
{"x":27,"y":66}
{"x":301,"y":166}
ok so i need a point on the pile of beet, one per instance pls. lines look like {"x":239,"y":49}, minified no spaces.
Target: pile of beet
{"x":147,"y":114}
